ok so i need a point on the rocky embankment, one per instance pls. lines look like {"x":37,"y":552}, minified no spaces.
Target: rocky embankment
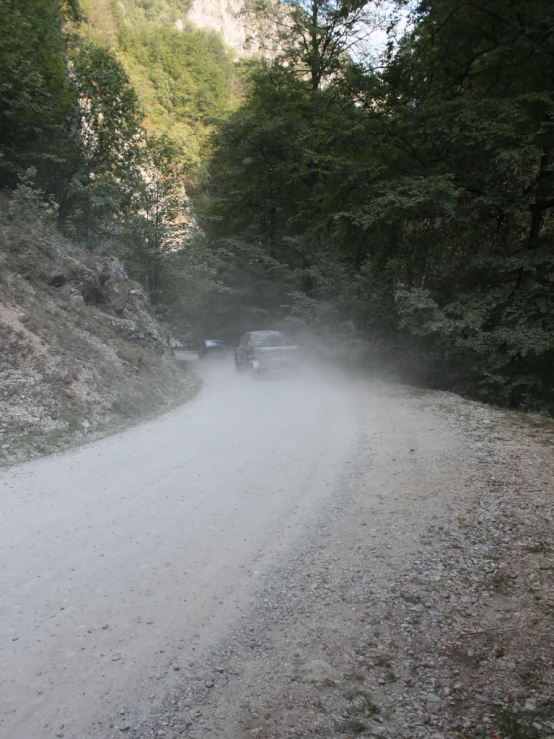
{"x":81,"y":353}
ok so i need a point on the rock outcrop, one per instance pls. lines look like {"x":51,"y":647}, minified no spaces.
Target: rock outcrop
{"x":225,"y":17}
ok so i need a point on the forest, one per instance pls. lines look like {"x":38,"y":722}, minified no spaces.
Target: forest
{"x":393,"y":209}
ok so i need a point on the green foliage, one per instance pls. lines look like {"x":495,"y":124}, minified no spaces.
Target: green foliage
{"x":109,"y":113}
{"x":154,"y":225}
{"x":183,"y":78}
{"x":35,"y":96}
{"x":405,"y":210}
{"x":74,"y":146}
{"x":425,"y":189}
{"x":278,"y":165}
{"x":29,"y":204}
{"x":164,"y":12}
{"x":313,"y":37}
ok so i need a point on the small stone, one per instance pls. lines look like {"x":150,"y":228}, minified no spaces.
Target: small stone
{"x":378,"y":730}
{"x":484,"y":699}
{"x":529,"y":706}
{"x":433,"y":702}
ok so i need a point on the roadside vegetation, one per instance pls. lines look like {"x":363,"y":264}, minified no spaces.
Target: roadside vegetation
{"x":396,"y":208}
{"x":409,"y":200}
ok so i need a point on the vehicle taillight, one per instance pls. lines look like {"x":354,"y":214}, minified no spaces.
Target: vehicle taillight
{"x":248,"y":344}
{"x":283,"y":342}
{"x":224,"y":346}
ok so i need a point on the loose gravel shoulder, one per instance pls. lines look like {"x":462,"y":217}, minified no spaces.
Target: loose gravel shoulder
{"x":421,"y":604}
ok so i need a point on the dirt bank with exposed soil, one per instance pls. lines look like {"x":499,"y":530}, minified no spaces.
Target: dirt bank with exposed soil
{"x":81,"y":353}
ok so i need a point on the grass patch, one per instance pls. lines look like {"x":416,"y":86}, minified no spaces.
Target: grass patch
{"x":513,"y":726}
{"x":351,"y":726}
{"x":132,"y":354}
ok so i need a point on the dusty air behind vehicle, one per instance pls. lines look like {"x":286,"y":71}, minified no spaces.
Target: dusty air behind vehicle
{"x":212,"y":348}
{"x":262,"y":352}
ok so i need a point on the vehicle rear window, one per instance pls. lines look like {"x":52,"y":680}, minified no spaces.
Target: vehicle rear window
{"x":267,"y":338}
{"x":213,"y":342}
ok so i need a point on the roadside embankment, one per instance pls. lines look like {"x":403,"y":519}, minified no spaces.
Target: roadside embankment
{"x":81,"y":353}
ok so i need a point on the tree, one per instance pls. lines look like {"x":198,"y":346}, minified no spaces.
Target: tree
{"x":36,"y":99}
{"x":156,"y":223}
{"x":184,"y":78}
{"x":102,"y":142}
{"x":464,"y":116}
{"x":428,"y":182}
{"x":315,"y":38}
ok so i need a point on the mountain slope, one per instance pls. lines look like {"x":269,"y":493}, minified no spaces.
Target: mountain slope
{"x":184,"y":75}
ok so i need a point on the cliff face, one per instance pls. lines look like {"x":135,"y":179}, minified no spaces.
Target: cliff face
{"x":222,"y":16}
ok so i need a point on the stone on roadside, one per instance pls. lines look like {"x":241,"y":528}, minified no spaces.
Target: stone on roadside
{"x":433,"y":702}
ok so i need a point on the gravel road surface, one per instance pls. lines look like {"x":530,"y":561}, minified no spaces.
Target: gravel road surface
{"x":316,"y":556}
{"x":121,"y":556}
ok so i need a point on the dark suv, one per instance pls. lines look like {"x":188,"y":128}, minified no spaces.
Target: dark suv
{"x":256,"y":340}
{"x":211,"y":348}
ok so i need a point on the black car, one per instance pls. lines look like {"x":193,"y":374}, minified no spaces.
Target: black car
{"x":256,"y":340}
{"x":212,"y":348}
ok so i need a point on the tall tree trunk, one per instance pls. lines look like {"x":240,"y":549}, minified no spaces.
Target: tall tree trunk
{"x":542,"y":203}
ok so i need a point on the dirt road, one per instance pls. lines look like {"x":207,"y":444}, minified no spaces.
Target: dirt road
{"x":136,"y":551}
{"x":174,"y":580}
